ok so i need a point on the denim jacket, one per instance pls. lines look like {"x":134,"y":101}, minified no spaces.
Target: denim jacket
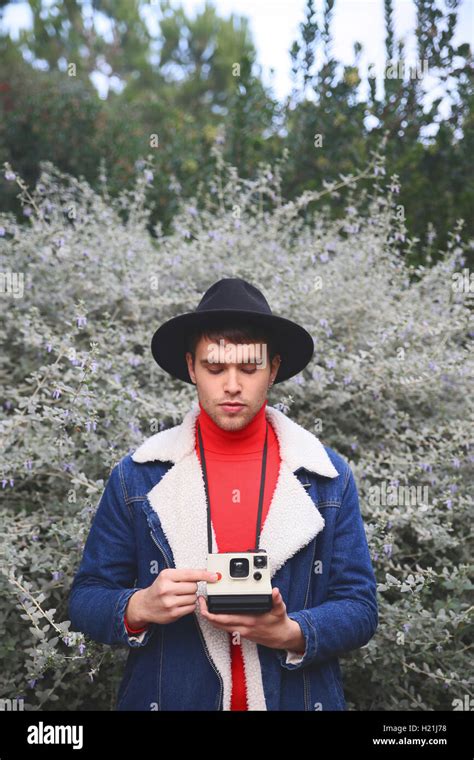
{"x":152,"y":515}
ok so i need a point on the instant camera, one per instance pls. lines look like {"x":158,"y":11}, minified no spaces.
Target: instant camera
{"x":244,"y":585}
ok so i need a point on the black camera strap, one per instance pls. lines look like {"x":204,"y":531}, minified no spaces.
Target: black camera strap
{"x":260,"y":498}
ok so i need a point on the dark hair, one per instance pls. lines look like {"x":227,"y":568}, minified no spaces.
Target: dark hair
{"x":244,"y":333}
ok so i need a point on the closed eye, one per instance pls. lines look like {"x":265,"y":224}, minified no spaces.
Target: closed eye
{"x":247,"y":371}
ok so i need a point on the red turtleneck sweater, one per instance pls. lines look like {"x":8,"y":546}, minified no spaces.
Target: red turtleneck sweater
{"x":234,"y":464}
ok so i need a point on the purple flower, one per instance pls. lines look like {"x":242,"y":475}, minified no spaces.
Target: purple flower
{"x":82,"y":648}
{"x":347,"y":379}
{"x":388,"y":549}
{"x":56,"y":393}
{"x":449,"y":503}
{"x":28,"y":464}
{"x":49,"y":347}
{"x":354,"y":446}
{"x":32,"y":683}
{"x":148,"y":176}
{"x":57,"y":575}
{"x":2,"y":231}
{"x":406,"y":627}
{"x":456,"y":463}
{"x":9,"y":175}
{"x":81,"y":321}
{"x":27,"y":211}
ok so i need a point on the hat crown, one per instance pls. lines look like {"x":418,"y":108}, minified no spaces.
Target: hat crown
{"x":233,"y":293}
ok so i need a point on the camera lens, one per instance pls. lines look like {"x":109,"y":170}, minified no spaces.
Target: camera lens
{"x":257,"y":576}
{"x":260,"y":561}
{"x":239,"y":567}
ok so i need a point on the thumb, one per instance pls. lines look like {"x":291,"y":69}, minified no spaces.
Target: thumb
{"x":277,"y":597}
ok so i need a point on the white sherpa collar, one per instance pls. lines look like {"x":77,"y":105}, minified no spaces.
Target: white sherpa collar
{"x":298,"y":447}
{"x":179,"y":500}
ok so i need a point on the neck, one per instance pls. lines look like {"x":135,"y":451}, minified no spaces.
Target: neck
{"x":248,"y":439}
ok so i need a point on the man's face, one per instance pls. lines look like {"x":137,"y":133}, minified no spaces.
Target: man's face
{"x":220,"y":378}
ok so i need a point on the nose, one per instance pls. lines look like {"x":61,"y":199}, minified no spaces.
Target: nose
{"x":232,"y":385}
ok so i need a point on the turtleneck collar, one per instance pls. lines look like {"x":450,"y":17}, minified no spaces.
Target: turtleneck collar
{"x":248,"y":440}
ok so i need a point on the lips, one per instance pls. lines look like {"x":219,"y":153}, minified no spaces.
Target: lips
{"x":232,"y":407}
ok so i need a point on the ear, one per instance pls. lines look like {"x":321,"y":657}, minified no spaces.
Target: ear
{"x":190,"y":363}
{"x":276,"y":361}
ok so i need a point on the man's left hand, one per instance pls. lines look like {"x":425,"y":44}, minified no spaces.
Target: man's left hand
{"x":273,"y":628}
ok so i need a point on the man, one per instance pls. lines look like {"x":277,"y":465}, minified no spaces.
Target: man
{"x":143,"y":580}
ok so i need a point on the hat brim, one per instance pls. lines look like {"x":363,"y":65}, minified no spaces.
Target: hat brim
{"x":170,"y":341}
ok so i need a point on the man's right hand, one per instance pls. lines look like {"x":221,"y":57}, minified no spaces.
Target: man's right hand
{"x":172,"y":595}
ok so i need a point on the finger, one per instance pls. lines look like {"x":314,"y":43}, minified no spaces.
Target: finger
{"x":190,"y":574}
{"x":184,"y":587}
{"x":183,"y":600}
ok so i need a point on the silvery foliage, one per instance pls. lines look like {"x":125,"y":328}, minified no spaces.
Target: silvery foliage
{"x":389,"y":388}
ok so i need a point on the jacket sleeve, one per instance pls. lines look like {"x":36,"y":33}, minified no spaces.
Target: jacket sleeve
{"x":348,"y":618}
{"x":105,"y":579}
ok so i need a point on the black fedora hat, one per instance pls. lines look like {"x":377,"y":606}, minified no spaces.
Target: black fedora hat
{"x":235,"y":301}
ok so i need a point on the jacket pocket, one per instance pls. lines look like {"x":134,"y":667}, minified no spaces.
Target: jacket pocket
{"x":334,"y":663}
{"x":141,"y":682}
{"x":126,"y":678}
{"x":323,"y":687}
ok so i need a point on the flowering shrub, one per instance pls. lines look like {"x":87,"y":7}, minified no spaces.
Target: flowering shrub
{"x":84,"y":285}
